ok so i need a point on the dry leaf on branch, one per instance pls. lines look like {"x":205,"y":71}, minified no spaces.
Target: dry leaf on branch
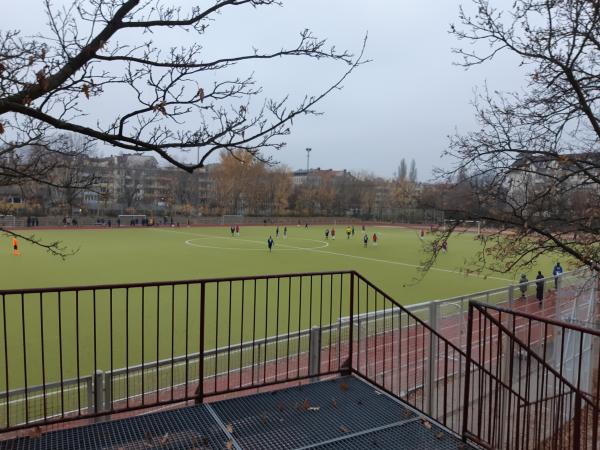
{"x":201,"y":94}
{"x":86,"y":90}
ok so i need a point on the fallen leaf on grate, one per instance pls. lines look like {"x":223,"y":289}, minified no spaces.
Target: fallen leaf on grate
{"x":439,"y":435}
{"x":163,"y":440}
{"x":148,"y":440}
{"x":230,"y":428}
{"x":344,"y":387}
{"x":426,"y":424}
{"x":407,"y":413}
{"x":264,"y":418}
{"x":306,"y":404}
{"x":334,"y":403}
{"x":314,"y":408}
{"x":280,"y":407}
{"x":344,"y":429}
{"x":229,"y":445}
{"x":35,"y":433}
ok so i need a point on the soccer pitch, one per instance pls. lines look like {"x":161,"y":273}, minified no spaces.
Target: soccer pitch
{"x":132,"y":255}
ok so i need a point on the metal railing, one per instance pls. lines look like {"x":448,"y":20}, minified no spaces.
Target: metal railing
{"x":545,"y":394}
{"x":83,"y":352}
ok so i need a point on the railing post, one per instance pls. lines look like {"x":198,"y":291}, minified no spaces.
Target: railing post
{"x":98,"y":394}
{"x":430,"y":375}
{"x":350,"y":363}
{"x":200,"y":389}
{"x":577,"y":423}
{"x":108,"y":378}
{"x":314,"y":352}
{"x":465,"y":427}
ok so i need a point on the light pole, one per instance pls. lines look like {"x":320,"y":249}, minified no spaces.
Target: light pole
{"x":308,"y":150}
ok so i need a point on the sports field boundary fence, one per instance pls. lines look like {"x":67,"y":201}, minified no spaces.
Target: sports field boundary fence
{"x":90,"y":351}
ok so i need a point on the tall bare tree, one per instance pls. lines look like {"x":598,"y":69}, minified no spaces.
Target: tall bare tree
{"x":98,"y":49}
{"x":533,"y":167}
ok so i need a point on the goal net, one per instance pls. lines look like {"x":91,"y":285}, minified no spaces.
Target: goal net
{"x":464,"y":225}
{"x":132,"y":219}
{"x":232,"y":219}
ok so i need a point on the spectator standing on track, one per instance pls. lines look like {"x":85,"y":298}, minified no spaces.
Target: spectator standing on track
{"x":557,"y":272}
{"x":539,"y":287}
{"x":523,"y":285}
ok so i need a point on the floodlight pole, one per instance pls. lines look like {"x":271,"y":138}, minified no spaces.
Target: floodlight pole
{"x":308,"y":150}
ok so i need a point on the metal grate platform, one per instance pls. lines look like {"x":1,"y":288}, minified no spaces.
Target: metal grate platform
{"x":344,"y":413}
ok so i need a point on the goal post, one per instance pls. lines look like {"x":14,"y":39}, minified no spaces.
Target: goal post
{"x":232,"y":219}
{"x":467,"y":224}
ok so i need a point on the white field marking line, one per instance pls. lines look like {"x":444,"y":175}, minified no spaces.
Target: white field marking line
{"x":288,"y":247}
{"x":209,"y":236}
{"x":367,"y":258}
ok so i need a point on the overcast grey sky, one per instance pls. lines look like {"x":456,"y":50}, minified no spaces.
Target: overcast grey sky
{"x":401,"y":105}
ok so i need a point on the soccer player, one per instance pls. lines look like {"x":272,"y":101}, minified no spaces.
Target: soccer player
{"x":237,"y":230}
{"x":327,"y":233}
{"x":15,"y":245}
{"x":333,"y":233}
{"x":232,"y":229}
{"x":539,"y":287}
{"x":285,"y":232}
{"x":557,"y":272}
{"x":374,"y":238}
{"x":277,"y":231}
{"x":365,"y":239}
{"x":348,"y":231}
{"x":422,"y":233}
{"x":444,"y":246}
{"x":352,"y":230}
{"x":270,"y":244}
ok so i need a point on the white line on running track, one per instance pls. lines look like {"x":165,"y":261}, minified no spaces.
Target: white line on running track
{"x":367,"y":258}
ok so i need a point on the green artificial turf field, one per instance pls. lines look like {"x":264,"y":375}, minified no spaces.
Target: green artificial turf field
{"x":163,"y":254}
{"x":156,"y":328}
